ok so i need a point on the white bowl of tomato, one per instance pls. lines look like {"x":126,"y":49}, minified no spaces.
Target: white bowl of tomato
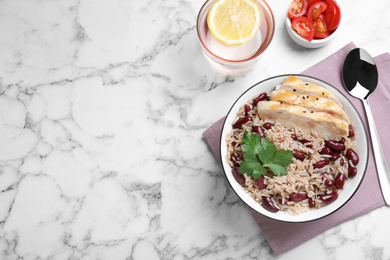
{"x":313,"y":23}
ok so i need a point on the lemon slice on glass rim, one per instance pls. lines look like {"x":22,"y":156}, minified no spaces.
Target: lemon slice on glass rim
{"x":234,"y":22}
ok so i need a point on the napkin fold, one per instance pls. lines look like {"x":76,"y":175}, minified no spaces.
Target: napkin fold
{"x":283,"y":236}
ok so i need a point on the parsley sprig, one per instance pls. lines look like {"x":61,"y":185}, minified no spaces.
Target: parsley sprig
{"x":261,"y":153}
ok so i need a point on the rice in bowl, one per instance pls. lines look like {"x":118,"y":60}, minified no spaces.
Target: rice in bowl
{"x":304,"y":187}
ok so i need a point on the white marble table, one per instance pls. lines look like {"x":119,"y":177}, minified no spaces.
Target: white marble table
{"x":102,"y":107}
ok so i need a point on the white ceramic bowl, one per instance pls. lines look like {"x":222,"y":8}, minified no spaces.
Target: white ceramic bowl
{"x":315,"y":43}
{"x":361,"y":148}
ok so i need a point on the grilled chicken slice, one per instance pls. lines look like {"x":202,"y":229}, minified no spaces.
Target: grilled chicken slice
{"x":311,"y":102}
{"x":306,"y":88}
{"x":331,"y":127}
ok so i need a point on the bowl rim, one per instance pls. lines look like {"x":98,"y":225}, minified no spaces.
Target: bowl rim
{"x":273,"y":215}
{"x":315,"y":41}
{"x":261,"y":49}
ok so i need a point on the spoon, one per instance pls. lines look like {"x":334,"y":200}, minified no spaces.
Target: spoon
{"x":360,"y":78}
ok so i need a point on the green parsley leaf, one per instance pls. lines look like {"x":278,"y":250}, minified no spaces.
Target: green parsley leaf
{"x":281,"y":157}
{"x":251,"y":143}
{"x":277,"y":169}
{"x":261,"y":153}
{"x":267,"y":151}
{"x":252,"y":166}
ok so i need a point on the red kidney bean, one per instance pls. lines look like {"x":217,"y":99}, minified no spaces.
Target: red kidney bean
{"x":320,"y":164}
{"x":260,"y":183}
{"x":259,"y":130}
{"x":312,"y":203}
{"x":234,"y":160}
{"x":241,"y":121}
{"x":339,"y":181}
{"x":304,"y":141}
{"x":285,"y":201}
{"x":352,"y":171}
{"x":294,"y":137}
{"x":259,"y":98}
{"x":328,"y":182}
{"x":351,"y":131}
{"x":298,"y":154}
{"x":352,"y":156}
{"x":238,"y":176}
{"x":329,"y":198}
{"x":296,"y":196}
{"x":326,"y":150}
{"x":247,"y":108}
{"x":268,"y":98}
{"x":342,"y":140}
{"x":335,"y":146}
{"x":268,"y":125}
{"x":268,"y":204}
{"x":341,"y":162}
{"x":335,"y":156}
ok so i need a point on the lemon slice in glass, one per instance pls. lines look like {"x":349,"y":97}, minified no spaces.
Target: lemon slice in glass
{"x":234,"y":22}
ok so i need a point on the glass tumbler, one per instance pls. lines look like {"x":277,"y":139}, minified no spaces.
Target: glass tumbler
{"x":237,"y":59}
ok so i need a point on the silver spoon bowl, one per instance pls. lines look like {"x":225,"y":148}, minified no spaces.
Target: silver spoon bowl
{"x":360,"y":78}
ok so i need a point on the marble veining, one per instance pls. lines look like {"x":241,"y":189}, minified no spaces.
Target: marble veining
{"x":102,"y":109}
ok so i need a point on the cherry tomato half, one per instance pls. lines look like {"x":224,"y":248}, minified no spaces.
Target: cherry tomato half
{"x":297,"y":8}
{"x":321,"y":30}
{"x":315,"y":10}
{"x":304,"y":27}
{"x":332,"y":15}
{"x":311,"y":2}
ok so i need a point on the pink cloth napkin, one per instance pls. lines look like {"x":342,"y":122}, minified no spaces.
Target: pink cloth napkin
{"x":285,"y":236}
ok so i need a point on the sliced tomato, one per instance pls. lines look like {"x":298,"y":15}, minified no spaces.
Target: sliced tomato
{"x":304,"y":27}
{"x":297,"y":8}
{"x":315,"y":10}
{"x":311,"y":2}
{"x":321,"y":30}
{"x":332,"y":15}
